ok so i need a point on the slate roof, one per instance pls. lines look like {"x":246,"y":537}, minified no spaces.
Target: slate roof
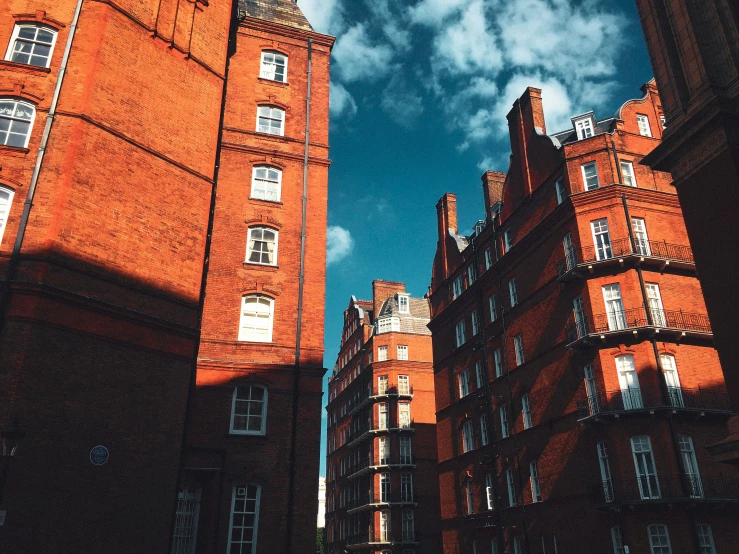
{"x":285,"y":12}
{"x":414,"y":322}
{"x":570,"y":135}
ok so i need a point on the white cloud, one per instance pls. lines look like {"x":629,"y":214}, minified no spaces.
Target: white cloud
{"x":434,"y":12}
{"x":326,"y":16}
{"x":342,"y":102}
{"x":403,"y":104}
{"x":339,"y":244}
{"x":358,"y":58}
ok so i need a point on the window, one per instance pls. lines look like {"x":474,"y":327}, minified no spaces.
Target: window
{"x":479,"y":376}
{"x":663,"y":122}
{"x":464,"y":383}
{"x":274,"y":66}
{"x":404,"y":415}
{"x":383,"y":416}
{"x":627,"y":174}
{"x":483,"y":430}
{"x":659,"y":539}
{"x":381,"y":353}
{"x":590,"y":176}
{"x":511,"y":487}
{"x":468,"y":440}
{"x":457,"y":287}
{"x":614,"y":307}
{"x":534,"y":477}
{"x":559,"y":189}
{"x":584,"y":128}
{"x":655,"y":305}
{"x":404,"y":386}
{"x":249,"y":410}
{"x":408,"y":528}
{"x":526,"y":410}
{"x":617,"y":540}
{"x":641,"y":448}
{"x":257,"y":314}
{"x":266,"y":183}
{"x":669,"y":370}
{"x":388,"y":324}
{"x":271,"y":120}
{"x":31,"y":45}
{"x":518,"y":343}
{"x":262,"y":246}
{"x":16,"y":121}
{"x":402,"y":352}
{"x":643,"y":122}
{"x":186,"y":520}
{"x":470,"y":275}
{"x":569,"y":249}
{"x":244,"y":520}
{"x":690,"y":466}
{"x":513,"y":291}
{"x":489,"y":491}
{"x":382,"y":384}
{"x":403,"y":304}
{"x":384,"y":487}
{"x":503,"y":421}
{"x":493,"y":308}
{"x":640,"y":236}
{"x":705,"y":539}
{"x":384,"y":451}
{"x":475,"y":323}
{"x":488,"y":258}
{"x":493,"y":547}
{"x":601,"y":239}
{"x":629,"y":382}
{"x":406,"y":487}
{"x":591,"y":389}
{"x":498,"y":360}
{"x":517,"y":545}
{"x":385,"y":526}
{"x":507,"y":240}
{"x":470,"y":501}
{"x":6,"y":197}
{"x":461,"y":333}
{"x":405,"y":450}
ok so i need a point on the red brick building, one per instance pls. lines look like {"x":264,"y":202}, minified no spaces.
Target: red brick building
{"x":132,"y":181}
{"x":694,"y":50}
{"x":576,"y":381}
{"x":382,"y":493}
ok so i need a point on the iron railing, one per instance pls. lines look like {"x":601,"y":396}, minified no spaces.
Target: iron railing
{"x":394,"y":497}
{"x":585,"y":325}
{"x":620,"y":248}
{"x":645,"y":398}
{"x":654,"y":488}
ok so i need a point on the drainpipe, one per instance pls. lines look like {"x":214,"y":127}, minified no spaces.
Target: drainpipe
{"x":15,"y":255}
{"x":301,"y":286}
{"x":618,"y":164}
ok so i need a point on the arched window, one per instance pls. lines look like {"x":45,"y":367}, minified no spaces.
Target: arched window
{"x":262,"y":246}
{"x":16,"y":121}
{"x":271,"y":120}
{"x":274,"y":66}
{"x":31,"y":45}
{"x":249,"y":410}
{"x":6,"y":197}
{"x":266,"y":183}
{"x":257,"y":313}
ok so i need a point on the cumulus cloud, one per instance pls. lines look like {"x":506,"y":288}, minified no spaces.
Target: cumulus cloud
{"x":339,"y":244}
{"x":434,"y":12}
{"x":359,"y":58}
{"x":342,"y":102}
{"x":326,"y":16}
{"x":401,"y":102}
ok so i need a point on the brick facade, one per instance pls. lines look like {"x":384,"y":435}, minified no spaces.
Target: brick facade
{"x":384,"y":367}
{"x":578,"y":352}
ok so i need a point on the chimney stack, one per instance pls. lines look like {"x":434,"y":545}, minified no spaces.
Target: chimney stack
{"x":492,"y":189}
{"x":382,"y":290}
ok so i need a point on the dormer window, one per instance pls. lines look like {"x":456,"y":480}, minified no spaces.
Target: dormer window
{"x":387,"y":325}
{"x":584,"y":125}
{"x":643,"y":122}
{"x":403,"y":304}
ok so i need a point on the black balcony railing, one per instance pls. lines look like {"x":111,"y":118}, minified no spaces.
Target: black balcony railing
{"x":620,"y":248}
{"x":395,"y":497}
{"x":654,"y":488}
{"x":646,"y":398}
{"x":623,"y":320}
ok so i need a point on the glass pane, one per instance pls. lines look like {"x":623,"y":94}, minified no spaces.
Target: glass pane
{"x":27,"y":32}
{"x":45,"y":36}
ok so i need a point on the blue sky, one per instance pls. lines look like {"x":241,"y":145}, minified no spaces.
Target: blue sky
{"x":420,"y":90}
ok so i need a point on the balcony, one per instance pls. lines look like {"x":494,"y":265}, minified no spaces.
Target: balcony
{"x":579,"y":262}
{"x":365,"y":431}
{"x":669,"y":324}
{"x":366,"y":398}
{"x":365,"y":466}
{"x":653,"y":489}
{"x":365,"y":540}
{"x":616,"y":403}
{"x":366,"y":502}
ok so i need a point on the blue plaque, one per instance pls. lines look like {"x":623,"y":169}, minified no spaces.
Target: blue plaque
{"x":99,"y":455}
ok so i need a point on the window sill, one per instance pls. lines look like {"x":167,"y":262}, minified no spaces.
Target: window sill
{"x":273,"y":203}
{"x":14,"y":151}
{"x":272,"y":82}
{"x":254,"y":342}
{"x":233,"y":434}
{"x":24,"y":68}
{"x":255,"y":265}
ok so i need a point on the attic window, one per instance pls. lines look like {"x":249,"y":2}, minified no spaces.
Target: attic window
{"x":584,"y":125}
{"x":388,"y":324}
{"x":403,"y":304}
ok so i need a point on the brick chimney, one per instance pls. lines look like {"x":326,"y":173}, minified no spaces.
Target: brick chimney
{"x":492,"y":189}
{"x":382,"y":290}
{"x":526,"y":115}
{"x":446,"y":214}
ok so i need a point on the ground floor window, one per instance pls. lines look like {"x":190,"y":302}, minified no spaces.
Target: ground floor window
{"x":242,"y":531}
{"x":186,"y":521}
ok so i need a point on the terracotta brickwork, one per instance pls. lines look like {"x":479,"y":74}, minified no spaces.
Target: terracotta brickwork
{"x":381,"y":489}
{"x":579,"y":300}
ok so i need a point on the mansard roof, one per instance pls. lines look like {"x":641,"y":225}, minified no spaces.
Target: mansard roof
{"x":284,"y":12}
{"x":414,"y":322}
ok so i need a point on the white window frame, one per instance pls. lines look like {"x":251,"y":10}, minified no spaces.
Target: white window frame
{"x":513,"y":291}
{"x":518,"y":346}
{"x":498,"y":362}
{"x":14,"y":37}
{"x":271,"y":75}
{"x":627,"y":173}
{"x":471,"y":274}
{"x":270,"y":117}
{"x":584,"y":127}
{"x":584,"y":168}
{"x":404,"y":415}
{"x":404,"y":304}
{"x":641,"y":237}
{"x":5,"y":204}
{"x":275,"y":246}
{"x":603,"y":248}
{"x":559,"y":190}
{"x":511,"y":484}
{"x":461,"y":332}
{"x":641,"y":449}
{"x":457,"y":287}
{"x":263,"y":428}
{"x":255,"y":526}
{"x":384,"y":487}
{"x":383,"y":451}
{"x":402,"y":352}
{"x":464,"y":383}
{"x":470,"y":497}
{"x":617,"y":540}
{"x":385,"y":526}
{"x":382,"y":353}
{"x":489,"y":491}
{"x":503,"y":414}
{"x":406,"y":451}
{"x":493,"y":308}
{"x":507,"y":240}
{"x":406,"y":487}
{"x":642,"y":121}
{"x":16,"y":103}
{"x":381,"y":384}
{"x":479,"y":375}
{"x":534,"y":481}
{"x":475,"y":323}
{"x":488,"y":258}
{"x":277,"y":185}
{"x":468,"y":437}
{"x":705,"y":538}
{"x":526,"y":411}
{"x":383,"y":416}
{"x":409,"y":529}
{"x":404,"y":384}
{"x":244,"y":335}
{"x":659,"y":539}
{"x":484,"y":439}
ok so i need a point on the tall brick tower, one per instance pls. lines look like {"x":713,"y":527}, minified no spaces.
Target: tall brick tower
{"x":577,"y":300}
{"x":382,"y":494}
